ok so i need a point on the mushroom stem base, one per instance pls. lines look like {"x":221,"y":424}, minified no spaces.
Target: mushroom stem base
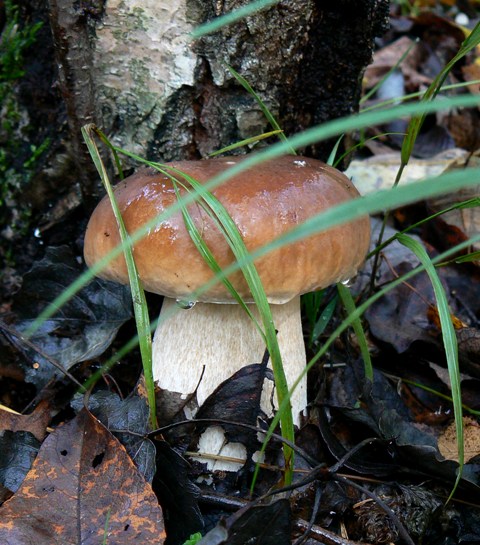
{"x":218,"y":340}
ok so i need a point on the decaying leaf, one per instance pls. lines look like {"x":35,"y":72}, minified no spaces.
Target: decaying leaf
{"x":35,"y":422}
{"x":261,"y":524}
{"x":83,"y":328}
{"x":379,"y":172}
{"x":460,"y":224}
{"x":128,"y":420}
{"x":447,"y":442}
{"x":389,"y":56}
{"x":82,"y":486}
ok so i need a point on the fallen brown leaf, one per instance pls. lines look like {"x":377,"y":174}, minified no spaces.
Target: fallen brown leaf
{"x":36,"y":422}
{"x":82,"y":486}
{"x":447,"y":442}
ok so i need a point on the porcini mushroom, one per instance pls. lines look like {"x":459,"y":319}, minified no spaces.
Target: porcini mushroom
{"x":264,"y":201}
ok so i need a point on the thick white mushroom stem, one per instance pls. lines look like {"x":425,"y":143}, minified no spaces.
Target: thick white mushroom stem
{"x":218,"y":340}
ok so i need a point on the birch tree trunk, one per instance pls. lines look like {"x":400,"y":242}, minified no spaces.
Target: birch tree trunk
{"x":131,"y":68}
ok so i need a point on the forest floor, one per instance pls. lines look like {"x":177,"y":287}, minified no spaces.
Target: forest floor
{"x":376,"y":462}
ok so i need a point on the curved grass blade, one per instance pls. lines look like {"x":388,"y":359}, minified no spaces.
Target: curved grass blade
{"x":384,"y":78}
{"x":348,"y":321}
{"x":205,"y":252}
{"x":449,"y":343}
{"x":470,"y":203}
{"x":434,"y":88}
{"x":232,"y":17}
{"x":246,"y":142}
{"x":140,"y":307}
{"x":418,"y":94}
{"x":441,"y":395}
{"x":266,"y":112}
{"x":323,"y":320}
{"x":416,"y":123}
{"x":349,"y":305}
{"x":240,"y":251}
{"x":430,"y":187}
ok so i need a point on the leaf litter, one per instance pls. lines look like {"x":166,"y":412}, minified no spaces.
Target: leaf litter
{"x":82,"y":474}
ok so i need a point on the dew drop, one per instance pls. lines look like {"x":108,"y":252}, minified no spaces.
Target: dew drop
{"x":348,"y":282}
{"x":184,"y":304}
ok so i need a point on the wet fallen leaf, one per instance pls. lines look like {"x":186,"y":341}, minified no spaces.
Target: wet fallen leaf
{"x":128,"y":420}
{"x":460,"y":224}
{"x":35,"y":422}
{"x":261,"y":524}
{"x":17,"y":453}
{"x":379,"y":172}
{"x":83,"y":328}
{"x":82,"y":486}
{"x":447,"y":441}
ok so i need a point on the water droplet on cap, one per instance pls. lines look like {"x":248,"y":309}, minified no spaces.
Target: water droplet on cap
{"x":184,"y":304}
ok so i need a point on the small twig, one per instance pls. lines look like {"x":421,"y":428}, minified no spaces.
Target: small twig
{"x":324,"y":536}
{"x":221,"y":421}
{"x":317,"y":533}
{"x":315,"y":509}
{"x":388,"y":510}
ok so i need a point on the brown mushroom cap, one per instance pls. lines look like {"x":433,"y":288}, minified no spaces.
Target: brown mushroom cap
{"x":264,"y":202}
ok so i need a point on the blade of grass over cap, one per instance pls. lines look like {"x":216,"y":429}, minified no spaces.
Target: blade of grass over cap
{"x":310,"y":136}
{"x":359,"y":311}
{"x":217,"y":211}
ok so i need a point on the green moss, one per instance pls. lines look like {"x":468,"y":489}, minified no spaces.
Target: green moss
{"x":15,"y":40}
{"x":18,"y":157}
{"x":132,"y":20}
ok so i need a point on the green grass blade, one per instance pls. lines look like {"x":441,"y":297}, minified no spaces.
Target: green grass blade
{"x":470,"y":203}
{"x":384,"y":78}
{"x":348,"y":321}
{"x":468,"y":258}
{"x":349,"y":305}
{"x":323,"y":320}
{"x":419,"y":94}
{"x":232,"y":17}
{"x":266,"y":112}
{"x":449,"y":343}
{"x":138,"y":295}
{"x":207,"y":255}
{"x":246,"y":142}
{"x":416,"y":123}
{"x":240,"y":251}
{"x":441,"y":395}
{"x":310,"y":136}
{"x":333,"y":153}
